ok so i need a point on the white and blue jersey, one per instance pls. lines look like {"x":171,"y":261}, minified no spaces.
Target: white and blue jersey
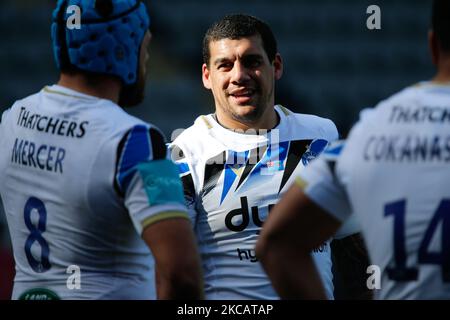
{"x":393,"y":174}
{"x":231,"y":180}
{"x":80,"y":179}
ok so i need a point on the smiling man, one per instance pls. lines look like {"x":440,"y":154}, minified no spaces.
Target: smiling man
{"x":237,"y":162}
{"x":241,"y":78}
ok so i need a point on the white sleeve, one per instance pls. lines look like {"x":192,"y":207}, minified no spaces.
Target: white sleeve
{"x":333,"y":134}
{"x":148,"y":181}
{"x":349,"y":227}
{"x":320,"y":183}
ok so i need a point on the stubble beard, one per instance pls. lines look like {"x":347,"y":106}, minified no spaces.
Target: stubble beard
{"x":250,"y":117}
{"x":255,"y":114}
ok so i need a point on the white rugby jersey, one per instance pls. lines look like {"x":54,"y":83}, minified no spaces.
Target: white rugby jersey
{"x":393,"y":173}
{"x":231,"y":180}
{"x":79,"y":180}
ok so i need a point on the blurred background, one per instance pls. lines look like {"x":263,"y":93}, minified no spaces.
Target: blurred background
{"x":333,"y":65}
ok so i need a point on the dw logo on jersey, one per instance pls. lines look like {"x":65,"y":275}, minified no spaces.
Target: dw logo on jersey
{"x":314,"y":149}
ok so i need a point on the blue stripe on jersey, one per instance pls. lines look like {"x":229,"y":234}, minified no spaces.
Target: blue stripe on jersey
{"x":315,"y":148}
{"x":334,"y":149}
{"x":236,"y":160}
{"x":137,"y":149}
{"x":228,"y":180}
{"x":284,"y":151}
{"x":183,"y":167}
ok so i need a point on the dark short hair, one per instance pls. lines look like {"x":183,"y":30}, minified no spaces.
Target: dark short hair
{"x":238,"y":26}
{"x":440,"y":22}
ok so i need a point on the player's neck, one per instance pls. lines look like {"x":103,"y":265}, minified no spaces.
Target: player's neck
{"x":267,"y":122}
{"x":103,"y":87}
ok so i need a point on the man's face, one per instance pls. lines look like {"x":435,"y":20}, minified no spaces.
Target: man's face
{"x":133,"y":95}
{"x":241,"y":78}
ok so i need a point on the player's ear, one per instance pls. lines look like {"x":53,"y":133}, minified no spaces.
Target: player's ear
{"x":434,"y":47}
{"x":278,"y":66}
{"x":205,"y":76}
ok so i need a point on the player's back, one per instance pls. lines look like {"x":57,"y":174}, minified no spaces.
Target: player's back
{"x":395,"y":169}
{"x":57,"y":171}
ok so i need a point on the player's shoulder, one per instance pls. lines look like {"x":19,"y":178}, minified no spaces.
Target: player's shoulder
{"x":403,"y":97}
{"x":32,"y":99}
{"x":16,"y":107}
{"x":127,"y":121}
{"x":193,"y":139}
{"x":137,"y":137}
{"x":316,"y":125}
{"x":124,"y":135}
{"x":201,"y":125}
{"x":120,"y":126}
{"x":333,"y":150}
{"x":314,"y":121}
{"x":381,"y":112}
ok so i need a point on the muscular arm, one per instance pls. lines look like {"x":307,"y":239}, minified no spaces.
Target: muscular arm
{"x":295,"y":226}
{"x":177,"y":262}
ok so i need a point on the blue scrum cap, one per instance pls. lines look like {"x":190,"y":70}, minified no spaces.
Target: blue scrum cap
{"x":108,"y":39}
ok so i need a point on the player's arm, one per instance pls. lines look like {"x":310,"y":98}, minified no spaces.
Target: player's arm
{"x":295,"y":226}
{"x":154,"y":197}
{"x":177,"y":262}
{"x":309,"y":214}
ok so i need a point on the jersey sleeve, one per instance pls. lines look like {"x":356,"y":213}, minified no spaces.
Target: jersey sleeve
{"x":185,"y":172}
{"x":320,"y":183}
{"x":351,"y":226}
{"x":333,"y":133}
{"x":146,"y":179}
